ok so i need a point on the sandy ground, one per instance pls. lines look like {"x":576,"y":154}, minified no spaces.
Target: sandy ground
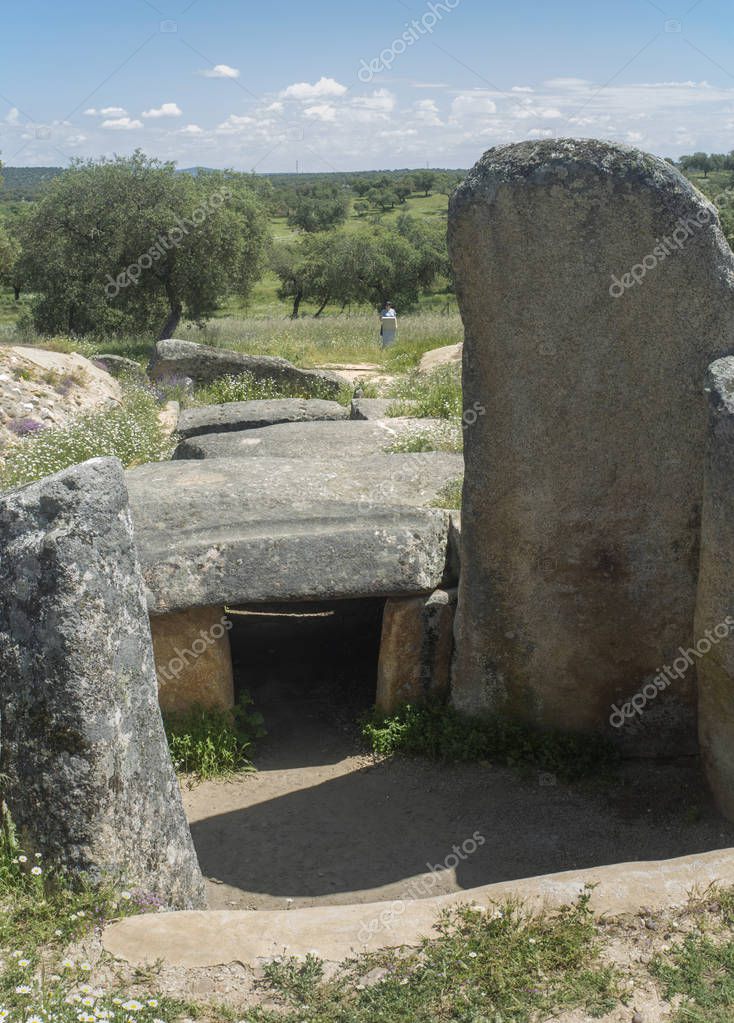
{"x":323,"y":823}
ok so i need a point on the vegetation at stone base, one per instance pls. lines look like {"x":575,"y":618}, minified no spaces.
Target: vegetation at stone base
{"x":42,"y":912}
{"x":503,"y":964}
{"x":437,"y":731}
{"x":441,"y":437}
{"x":210,"y":743}
{"x":700,"y":970}
{"x":131,"y":433}
{"x":450,"y":496}
{"x":245,"y":387}
{"x":436,"y":395}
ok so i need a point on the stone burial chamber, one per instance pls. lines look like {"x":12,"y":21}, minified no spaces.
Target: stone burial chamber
{"x":596,"y":286}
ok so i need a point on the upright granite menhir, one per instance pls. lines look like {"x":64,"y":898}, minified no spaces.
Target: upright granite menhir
{"x":87,"y":775}
{"x":595,"y":286}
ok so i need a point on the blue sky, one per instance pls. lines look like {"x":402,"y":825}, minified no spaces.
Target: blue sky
{"x":334,"y":86}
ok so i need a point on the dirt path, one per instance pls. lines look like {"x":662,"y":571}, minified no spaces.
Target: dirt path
{"x":321,"y":823}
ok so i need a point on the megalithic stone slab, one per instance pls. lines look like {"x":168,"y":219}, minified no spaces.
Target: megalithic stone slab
{"x":595,"y":286}
{"x":88,"y":778}
{"x":715,"y":611}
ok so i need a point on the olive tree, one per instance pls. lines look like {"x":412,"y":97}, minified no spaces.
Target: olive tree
{"x":131,"y":245}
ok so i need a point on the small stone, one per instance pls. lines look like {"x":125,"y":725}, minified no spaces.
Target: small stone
{"x":637,"y":1018}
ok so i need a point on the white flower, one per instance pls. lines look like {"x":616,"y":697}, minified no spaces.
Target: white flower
{"x":67,"y":964}
{"x":58,"y":933}
{"x":4,"y":1013}
{"x":472,"y":955}
{"x":38,"y":856}
{"x":17,"y":954}
{"x":126,"y":896}
{"x":85,"y":989}
{"x":24,"y":962}
{"x":85,"y":966}
{"x":22,"y":859}
{"x":152,"y":1003}
{"x":132,"y":1006}
{"x":34,"y":1019}
{"x":80,"y":913}
{"x":22,"y":989}
{"x":88,"y":1001}
{"x":36,"y":871}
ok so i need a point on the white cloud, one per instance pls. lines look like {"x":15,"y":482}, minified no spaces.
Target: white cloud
{"x":106,"y":112}
{"x":522,"y":88}
{"x":323,"y":88}
{"x":540,"y":133}
{"x":235,"y":124}
{"x":221,"y":71}
{"x":472,"y":104}
{"x":13,"y":116}
{"x":165,"y":110}
{"x":121,"y":124}
{"x":274,"y":108}
{"x":321,"y":112}
{"x":548,"y":113}
{"x":567,"y":83}
{"x":191,"y":129}
{"x":426,"y":111}
{"x":381,"y":100}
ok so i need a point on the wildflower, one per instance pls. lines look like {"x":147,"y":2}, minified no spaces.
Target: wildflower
{"x":58,"y":933}
{"x":152,"y":1003}
{"x":88,"y":1001}
{"x":85,"y":989}
{"x":132,"y":1006}
{"x":23,"y":963}
{"x":22,"y":989}
{"x":36,"y":871}
{"x":38,"y":856}
{"x":126,"y":896}
{"x":85,"y":966}
{"x":34,"y":1019}
{"x":55,"y":978}
{"x":472,"y":955}
{"x":22,"y":859}
{"x":4,"y":1013}
{"x":80,"y":913}
{"x":67,"y":964}
{"x":17,"y":954}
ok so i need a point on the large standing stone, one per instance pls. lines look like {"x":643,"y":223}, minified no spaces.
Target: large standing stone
{"x":715,"y":611}
{"x":203,"y":364}
{"x":87,"y":775}
{"x":583,"y":480}
{"x":193,"y":660}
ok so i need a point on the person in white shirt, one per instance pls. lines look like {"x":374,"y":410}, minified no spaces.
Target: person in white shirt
{"x":388,"y":313}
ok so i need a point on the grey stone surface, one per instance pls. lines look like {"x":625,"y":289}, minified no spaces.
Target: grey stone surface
{"x":251,"y":415}
{"x":352,"y":439}
{"x":204,"y":364}
{"x":89,"y":780}
{"x":715,"y":609}
{"x":272,"y":529}
{"x":584,"y":479}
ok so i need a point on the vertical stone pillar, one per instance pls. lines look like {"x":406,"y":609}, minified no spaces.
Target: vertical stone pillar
{"x":87,"y":775}
{"x":715,"y":611}
{"x":193,"y":659}
{"x":416,"y":649}
{"x":595,"y":287}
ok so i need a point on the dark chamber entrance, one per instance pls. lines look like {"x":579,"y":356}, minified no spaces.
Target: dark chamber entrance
{"x":311,"y":670}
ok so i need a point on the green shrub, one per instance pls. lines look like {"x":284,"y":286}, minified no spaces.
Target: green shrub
{"x":439,"y":732}
{"x":131,"y":433}
{"x":211,"y":743}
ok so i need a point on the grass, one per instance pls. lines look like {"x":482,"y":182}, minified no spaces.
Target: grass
{"x":451,"y":495}
{"x":442,"y":437}
{"x":210,"y":743}
{"x":440,"y":733}
{"x":131,"y":433}
{"x":501,"y":965}
{"x":42,"y":912}
{"x":436,"y":395}
{"x":245,"y":387}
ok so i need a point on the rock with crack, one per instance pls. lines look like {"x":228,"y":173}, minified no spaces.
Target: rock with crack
{"x":233,"y":416}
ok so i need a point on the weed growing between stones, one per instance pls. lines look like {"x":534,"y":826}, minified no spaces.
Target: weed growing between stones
{"x":503,"y":964}
{"x":245,"y":387}
{"x":451,"y":495}
{"x":42,"y":913}
{"x":441,"y":437}
{"x":131,"y":433}
{"x":437,"y":395}
{"x":210,"y":743}
{"x":439,"y":732}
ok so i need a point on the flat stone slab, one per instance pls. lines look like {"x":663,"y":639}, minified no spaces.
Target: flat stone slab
{"x":238,"y":531}
{"x":203,"y":364}
{"x":351,"y":439}
{"x":252,"y":415}
{"x":194,"y":940}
